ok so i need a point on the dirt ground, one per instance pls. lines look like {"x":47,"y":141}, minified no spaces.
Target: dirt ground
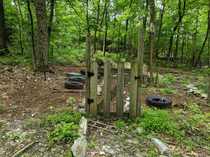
{"x":26,"y":95}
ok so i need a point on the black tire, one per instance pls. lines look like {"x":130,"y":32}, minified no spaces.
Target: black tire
{"x":73,"y":74}
{"x":74,"y":85}
{"x":77,"y":78}
{"x":155,"y":102}
{"x":83,"y":73}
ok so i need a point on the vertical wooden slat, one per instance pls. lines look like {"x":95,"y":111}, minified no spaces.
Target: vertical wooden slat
{"x":107,"y":89}
{"x":133,"y":90}
{"x":87,"y":69}
{"x":93,"y":88}
{"x":140,"y":68}
{"x":120,"y":89}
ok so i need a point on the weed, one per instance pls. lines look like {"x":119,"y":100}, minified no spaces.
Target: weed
{"x":1,"y":105}
{"x":2,"y":86}
{"x":16,"y":135}
{"x":90,"y":145}
{"x":51,"y":108}
{"x":70,"y":100}
{"x":120,"y":124}
{"x":166,"y":91}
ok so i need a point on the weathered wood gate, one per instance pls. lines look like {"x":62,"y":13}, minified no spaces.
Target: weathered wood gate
{"x":134,"y":76}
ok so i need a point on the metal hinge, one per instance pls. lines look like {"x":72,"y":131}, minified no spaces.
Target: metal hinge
{"x":90,"y":74}
{"x":90,"y":101}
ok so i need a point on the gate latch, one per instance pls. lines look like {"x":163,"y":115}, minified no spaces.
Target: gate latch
{"x":90,"y":74}
{"x":90,"y":101}
{"x":137,"y":77}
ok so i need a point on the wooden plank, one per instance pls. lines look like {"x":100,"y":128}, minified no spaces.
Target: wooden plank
{"x":93,"y":88}
{"x":113,"y":70}
{"x":87,"y":79}
{"x":120,"y":89}
{"x":133,"y":90}
{"x":113,"y":92}
{"x":140,"y":69}
{"x":107,"y":89}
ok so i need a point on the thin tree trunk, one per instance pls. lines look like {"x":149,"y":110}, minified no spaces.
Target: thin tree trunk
{"x":180,"y":20}
{"x":177,"y":47}
{"x":118,"y":40}
{"x":32,"y":51}
{"x":159,"y":32}
{"x":88,"y":26}
{"x":199,"y":55}
{"x":96,"y":26}
{"x":20,"y":34}
{"x":50,"y":20}
{"x":32,"y":27}
{"x":126,"y":29}
{"x":105,"y":33}
{"x":3,"y":45}
{"x":145,"y":17}
{"x":99,"y":31}
{"x":208,"y":52}
{"x":182,"y":49}
{"x":113,"y":37}
{"x":208,"y":100}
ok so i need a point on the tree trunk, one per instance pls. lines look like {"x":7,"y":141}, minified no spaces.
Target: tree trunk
{"x":208,"y":100}
{"x":126,"y":29}
{"x":32,"y":27}
{"x":3,"y":45}
{"x":96,"y":26}
{"x":99,"y":31}
{"x":50,"y":20}
{"x":105,"y":33}
{"x":151,"y":39}
{"x":118,"y":40}
{"x":145,"y":18}
{"x":199,"y":55}
{"x":20,"y":34}
{"x":29,"y":42}
{"x":159,"y":32}
{"x":182,"y":50}
{"x":177,"y":47}
{"x":88,"y":25}
{"x":42,"y":34}
{"x":180,"y":20}
{"x":208,"y":51}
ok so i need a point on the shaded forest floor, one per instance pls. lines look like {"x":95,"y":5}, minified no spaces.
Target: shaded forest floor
{"x":26,"y":97}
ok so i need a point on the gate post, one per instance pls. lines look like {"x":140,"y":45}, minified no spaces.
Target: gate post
{"x":120,"y":89}
{"x":87,"y":69}
{"x":133,"y":90}
{"x":93,"y":88}
{"x":107,"y":89}
{"x":140,"y":69}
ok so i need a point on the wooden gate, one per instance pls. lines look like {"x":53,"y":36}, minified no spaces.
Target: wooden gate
{"x":134,"y":75}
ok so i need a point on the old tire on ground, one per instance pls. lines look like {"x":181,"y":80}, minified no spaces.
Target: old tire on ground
{"x":83,"y":73}
{"x":77,"y":79}
{"x":73,"y":74}
{"x":155,"y":102}
{"x":74,"y":85}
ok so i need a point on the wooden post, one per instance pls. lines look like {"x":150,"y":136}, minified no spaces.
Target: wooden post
{"x":87,"y":69}
{"x":93,"y":88}
{"x":120,"y":89}
{"x":140,"y":69}
{"x":107,"y":89}
{"x":133,"y":90}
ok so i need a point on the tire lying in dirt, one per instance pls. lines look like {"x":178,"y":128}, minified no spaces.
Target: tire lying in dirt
{"x":159,"y":102}
{"x":77,"y":79}
{"x":73,"y":74}
{"x":73,"y":85}
{"x":83,"y":73}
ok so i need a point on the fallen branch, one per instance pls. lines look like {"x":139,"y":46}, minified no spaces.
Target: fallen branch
{"x":161,"y":100}
{"x":68,"y":91}
{"x":24,"y":148}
